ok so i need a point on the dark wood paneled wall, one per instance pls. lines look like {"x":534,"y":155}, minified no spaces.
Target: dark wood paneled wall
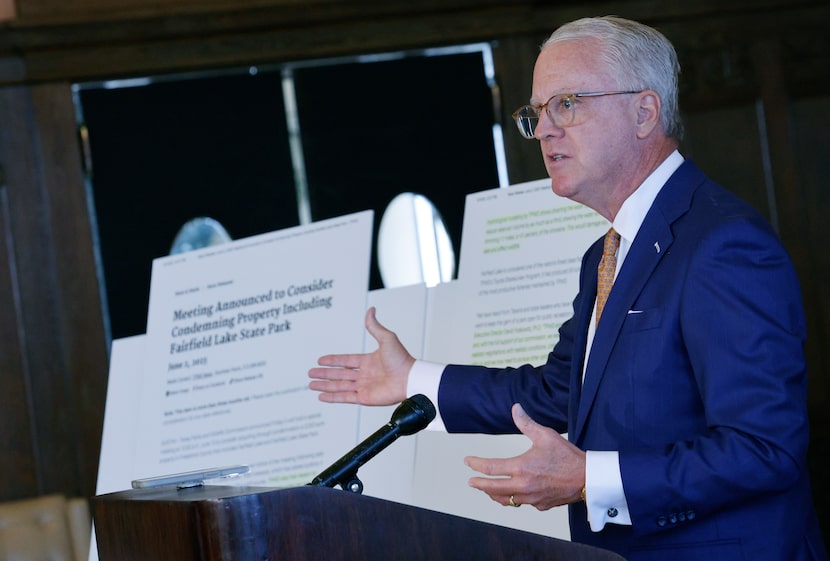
{"x":54,"y":355}
{"x":756,"y":94}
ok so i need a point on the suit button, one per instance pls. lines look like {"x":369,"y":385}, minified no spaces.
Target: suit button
{"x":673,"y":518}
{"x":612,"y":512}
{"x":661,"y":521}
{"x":690,"y":515}
{"x":681,"y":516}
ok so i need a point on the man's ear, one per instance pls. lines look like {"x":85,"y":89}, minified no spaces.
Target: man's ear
{"x":648,"y":113}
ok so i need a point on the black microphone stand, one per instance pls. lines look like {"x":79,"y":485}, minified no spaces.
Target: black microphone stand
{"x":409,"y":417}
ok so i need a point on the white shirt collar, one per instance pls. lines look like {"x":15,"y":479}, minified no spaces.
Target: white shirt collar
{"x":634,"y":209}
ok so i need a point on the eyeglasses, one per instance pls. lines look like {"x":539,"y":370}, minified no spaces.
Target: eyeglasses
{"x":560,"y":109}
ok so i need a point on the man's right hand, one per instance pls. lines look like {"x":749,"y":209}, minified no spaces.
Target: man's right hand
{"x":376,"y":378}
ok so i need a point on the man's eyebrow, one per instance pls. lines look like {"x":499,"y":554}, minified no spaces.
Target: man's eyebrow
{"x":536,"y":103}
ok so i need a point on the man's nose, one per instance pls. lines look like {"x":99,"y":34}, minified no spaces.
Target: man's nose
{"x":546,"y":128}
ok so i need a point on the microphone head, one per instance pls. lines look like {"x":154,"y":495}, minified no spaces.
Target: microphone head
{"x":413,"y":414}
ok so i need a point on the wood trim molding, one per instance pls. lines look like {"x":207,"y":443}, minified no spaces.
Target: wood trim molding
{"x":216,"y":34}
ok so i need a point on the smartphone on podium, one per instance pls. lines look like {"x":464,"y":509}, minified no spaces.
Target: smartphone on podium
{"x":191,"y":478}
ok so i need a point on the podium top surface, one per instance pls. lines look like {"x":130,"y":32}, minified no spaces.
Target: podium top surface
{"x":308,"y":523}
{"x":185,"y":494}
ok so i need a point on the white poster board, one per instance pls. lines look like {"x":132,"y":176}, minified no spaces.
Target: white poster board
{"x":521,"y":252}
{"x":389,"y":474}
{"x":231,"y":332}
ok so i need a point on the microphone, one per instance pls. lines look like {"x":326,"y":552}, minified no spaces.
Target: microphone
{"x":412,"y":415}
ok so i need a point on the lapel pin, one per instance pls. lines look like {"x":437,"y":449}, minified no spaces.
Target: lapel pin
{"x":657,"y":246}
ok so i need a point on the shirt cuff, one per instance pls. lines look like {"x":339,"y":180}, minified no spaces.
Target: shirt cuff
{"x":604,"y":493}
{"x":425,"y":378}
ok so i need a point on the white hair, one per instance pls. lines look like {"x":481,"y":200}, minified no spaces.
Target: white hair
{"x":639,"y":57}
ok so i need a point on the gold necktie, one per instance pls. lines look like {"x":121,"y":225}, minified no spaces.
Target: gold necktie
{"x":607,"y":268}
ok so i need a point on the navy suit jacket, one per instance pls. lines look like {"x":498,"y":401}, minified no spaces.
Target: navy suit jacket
{"x":696,"y":376}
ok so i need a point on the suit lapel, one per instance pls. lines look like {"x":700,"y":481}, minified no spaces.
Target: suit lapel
{"x":652,"y":242}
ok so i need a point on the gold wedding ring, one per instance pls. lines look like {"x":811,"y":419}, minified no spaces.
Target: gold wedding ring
{"x":514,"y":503}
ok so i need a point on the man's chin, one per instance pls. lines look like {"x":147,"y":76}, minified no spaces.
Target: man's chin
{"x":559,"y":188}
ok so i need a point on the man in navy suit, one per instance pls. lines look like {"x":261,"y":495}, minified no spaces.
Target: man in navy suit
{"x":685,"y":400}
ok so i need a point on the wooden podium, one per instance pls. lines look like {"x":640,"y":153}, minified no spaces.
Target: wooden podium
{"x":213,"y":523}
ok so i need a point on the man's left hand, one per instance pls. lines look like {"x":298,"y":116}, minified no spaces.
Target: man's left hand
{"x":549,"y":474}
